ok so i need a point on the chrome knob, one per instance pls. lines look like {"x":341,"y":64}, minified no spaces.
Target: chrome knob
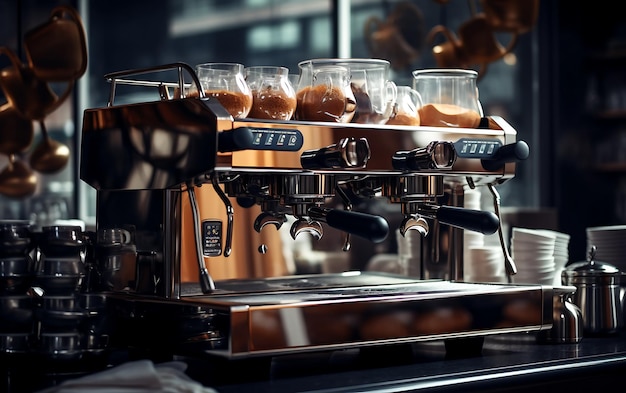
{"x":347,"y":153}
{"x":436,"y":155}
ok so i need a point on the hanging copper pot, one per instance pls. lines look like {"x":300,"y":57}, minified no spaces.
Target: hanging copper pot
{"x":16,"y":132}
{"x":28,"y":94}
{"x":49,"y":156}
{"x":17,"y":180}
{"x":57,"y":49}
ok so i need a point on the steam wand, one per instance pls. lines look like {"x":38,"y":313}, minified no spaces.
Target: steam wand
{"x":348,"y":206}
{"x":206,"y":282}
{"x":509,"y":264}
{"x":228,"y":246}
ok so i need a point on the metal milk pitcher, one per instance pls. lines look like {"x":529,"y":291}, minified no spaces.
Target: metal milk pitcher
{"x":597,"y":294}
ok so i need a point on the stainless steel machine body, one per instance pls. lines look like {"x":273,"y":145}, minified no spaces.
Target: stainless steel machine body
{"x":142,"y":157}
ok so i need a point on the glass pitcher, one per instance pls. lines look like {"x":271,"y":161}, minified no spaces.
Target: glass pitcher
{"x":405,"y":111}
{"x":226,"y":82}
{"x":273,"y":95}
{"x":374,"y":92}
{"x":449,"y":97}
{"x":324,"y":94}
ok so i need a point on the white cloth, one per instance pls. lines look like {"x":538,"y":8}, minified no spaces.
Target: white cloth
{"x":140,"y":376}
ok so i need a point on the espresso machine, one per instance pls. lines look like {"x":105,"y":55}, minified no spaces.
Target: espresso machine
{"x":143,"y":158}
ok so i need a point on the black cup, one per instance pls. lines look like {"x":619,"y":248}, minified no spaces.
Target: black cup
{"x":16,"y":313}
{"x":59,"y":285}
{"x":15,"y":238}
{"x":61,"y":266}
{"x":16,"y":273}
{"x":61,"y":241}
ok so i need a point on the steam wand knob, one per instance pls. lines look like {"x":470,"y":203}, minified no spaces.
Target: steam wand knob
{"x":518,"y":151}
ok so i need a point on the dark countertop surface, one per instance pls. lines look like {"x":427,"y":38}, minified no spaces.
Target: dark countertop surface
{"x":507,"y":362}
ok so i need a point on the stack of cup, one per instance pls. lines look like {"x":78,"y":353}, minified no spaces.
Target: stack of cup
{"x":471,"y":239}
{"x":485,"y":264}
{"x":533,"y":253}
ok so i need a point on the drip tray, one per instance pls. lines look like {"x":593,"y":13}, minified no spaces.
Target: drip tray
{"x":333,"y":311}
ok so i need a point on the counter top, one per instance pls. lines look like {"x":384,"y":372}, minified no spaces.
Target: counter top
{"x":507,"y":362}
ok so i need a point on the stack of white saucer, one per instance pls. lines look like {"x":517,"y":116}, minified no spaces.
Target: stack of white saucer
{"x":610,"y":242}
{"x":561,"y":254}
{"x":540,"y":255}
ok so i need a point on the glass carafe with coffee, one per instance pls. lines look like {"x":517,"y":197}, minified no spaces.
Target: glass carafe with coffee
{"x":374,"y":93}
{"x":324,"y":94}
{"x":226,"y":83}
{"x":405,"y":111}
{"x":449,"y":96}
{"x":273,"y":95}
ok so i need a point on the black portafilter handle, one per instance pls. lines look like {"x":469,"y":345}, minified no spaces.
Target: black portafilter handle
{"x":485,"y":222}
{"x":514,"y":152}
{"x":371,"y":227}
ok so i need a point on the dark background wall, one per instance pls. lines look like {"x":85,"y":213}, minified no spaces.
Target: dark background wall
{"x":586,"y":63}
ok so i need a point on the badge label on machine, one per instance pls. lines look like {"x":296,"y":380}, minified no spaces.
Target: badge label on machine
{"x":211,"y":238}
{"x":276,"y":139}
{"x":477,"y":147}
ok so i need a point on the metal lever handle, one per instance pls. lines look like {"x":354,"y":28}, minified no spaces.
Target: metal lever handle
{"x":116,"y":78}
{"x":368,"y":226}
{"x":436,"y":155}
{"x":513,"y":152}
{"x":347,"y":153}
